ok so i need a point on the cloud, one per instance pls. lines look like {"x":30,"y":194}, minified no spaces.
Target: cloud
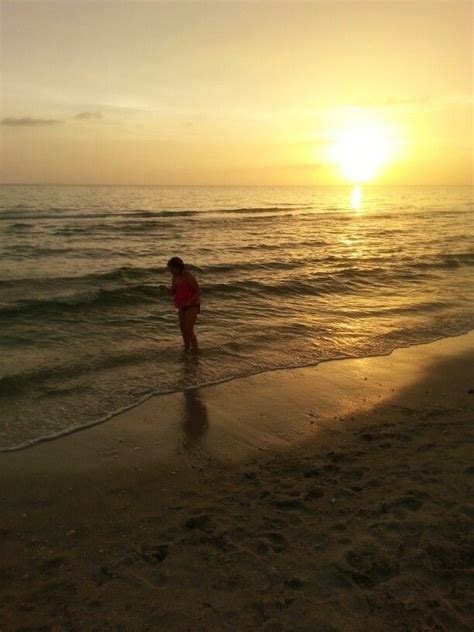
{"x":89,"y":116}
{"x":29,"y":122}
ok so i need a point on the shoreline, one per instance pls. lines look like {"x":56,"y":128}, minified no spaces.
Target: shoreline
{"x":155,"y":394}
{"x":331,"y":497}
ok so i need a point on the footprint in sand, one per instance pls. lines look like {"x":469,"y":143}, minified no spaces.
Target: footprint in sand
{"x":51,"y":565}
{"x":314,"y":492}
{"x":275,"y":541}
{"x":289,"y":504}
{"x":369,"y":567}
{"x":155,"y":554}
{"x":354,"y":475}
{"x":201,"y":521}
{"x":413,"y":501}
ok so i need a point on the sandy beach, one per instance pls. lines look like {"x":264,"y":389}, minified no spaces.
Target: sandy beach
{"x":334,"y":497}
{"x":236,"y":316}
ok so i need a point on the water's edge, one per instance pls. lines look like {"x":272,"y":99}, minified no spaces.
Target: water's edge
{"x":158,"y":393}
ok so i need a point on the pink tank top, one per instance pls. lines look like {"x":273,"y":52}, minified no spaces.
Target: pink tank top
{"x":183,"y":294}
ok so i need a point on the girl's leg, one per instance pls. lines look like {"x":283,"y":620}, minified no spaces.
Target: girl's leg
{"x":190,"y":315}
{"x":182,"y":326}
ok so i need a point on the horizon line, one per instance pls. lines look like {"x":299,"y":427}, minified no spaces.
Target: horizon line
{"x":348,"y":185}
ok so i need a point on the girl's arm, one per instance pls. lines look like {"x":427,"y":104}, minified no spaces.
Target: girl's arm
{"x":170,"y":290}
{"x":194,"y":285}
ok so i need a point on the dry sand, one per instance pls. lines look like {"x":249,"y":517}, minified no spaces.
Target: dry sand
{"x":337,"y":497}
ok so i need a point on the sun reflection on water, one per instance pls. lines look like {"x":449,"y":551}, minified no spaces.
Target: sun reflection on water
{"x":356,"y":198}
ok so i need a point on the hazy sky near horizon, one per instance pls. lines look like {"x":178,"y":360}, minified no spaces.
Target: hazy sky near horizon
{"x":231,"y":93}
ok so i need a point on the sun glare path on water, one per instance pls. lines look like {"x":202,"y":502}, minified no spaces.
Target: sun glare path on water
{"x":356,"y":198}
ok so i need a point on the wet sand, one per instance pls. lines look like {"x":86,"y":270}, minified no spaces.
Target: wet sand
{"x":336,"y":497}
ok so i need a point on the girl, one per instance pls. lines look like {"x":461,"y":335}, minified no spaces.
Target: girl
{"x":187,"y":293}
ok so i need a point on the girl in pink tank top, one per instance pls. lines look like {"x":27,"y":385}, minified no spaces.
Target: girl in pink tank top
{"x":187,"y":293}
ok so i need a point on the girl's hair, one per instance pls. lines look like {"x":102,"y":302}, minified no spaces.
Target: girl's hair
{"x":176,"y":263}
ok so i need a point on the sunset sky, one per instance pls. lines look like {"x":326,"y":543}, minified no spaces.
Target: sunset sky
{"x":234,"y":93}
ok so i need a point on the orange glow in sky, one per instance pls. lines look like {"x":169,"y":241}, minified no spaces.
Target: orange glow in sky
{"x":144,"y":92}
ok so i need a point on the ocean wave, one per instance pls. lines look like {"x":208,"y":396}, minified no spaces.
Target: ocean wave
{"x":18,"y":227}
{"x":127,"y":284}
{"x":121,"y":273}
{"x":255,"y":209}
{"x":188,"y":213}
{"x":51,"y":379}
{"x":114,"y":227}
{"x":257,"y":266}
{"x":340,"y":281}
{"x":138,"y":294}
{"x":141,"y":227}
{"x":130,"y":294}
{"x":34,"y":251}
{"x":53,"y":213}
{"x":376,"y":311}
{"x":38,"y":214}
{"x":449,"y":260}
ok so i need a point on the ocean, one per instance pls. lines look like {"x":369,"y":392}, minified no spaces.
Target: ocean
{"x":291,"y":276}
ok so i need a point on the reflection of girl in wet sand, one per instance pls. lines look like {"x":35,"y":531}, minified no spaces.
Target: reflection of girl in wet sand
{"x":187,"y":293}
{"x":195,"y":421}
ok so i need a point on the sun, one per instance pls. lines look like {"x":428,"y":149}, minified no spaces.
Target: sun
{"x":362,"y":150}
